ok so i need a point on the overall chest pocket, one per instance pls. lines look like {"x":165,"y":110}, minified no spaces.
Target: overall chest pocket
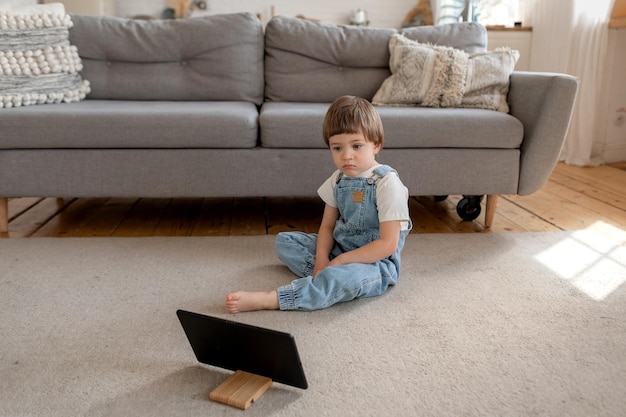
{"x":353,"y":201}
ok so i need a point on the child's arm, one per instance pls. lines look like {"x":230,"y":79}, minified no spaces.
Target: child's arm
{"x":325,"y":240}
{"x":374,"y":251}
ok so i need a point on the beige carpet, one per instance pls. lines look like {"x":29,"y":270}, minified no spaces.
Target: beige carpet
{"x":512,"y":324}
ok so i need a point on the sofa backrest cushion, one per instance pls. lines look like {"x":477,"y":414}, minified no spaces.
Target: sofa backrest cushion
{"x":467,"y":36}
{"x":217,"y":58}
{"x":316,"y":62}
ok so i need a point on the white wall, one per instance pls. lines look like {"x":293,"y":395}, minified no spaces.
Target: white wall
{"x":387,"y":13}
{"x":612,"y":147}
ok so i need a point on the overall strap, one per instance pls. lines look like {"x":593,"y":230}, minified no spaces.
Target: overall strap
{"x":380,"y":172}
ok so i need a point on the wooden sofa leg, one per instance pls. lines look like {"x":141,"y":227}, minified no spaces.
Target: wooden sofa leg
{"x":492,"y":201}
{"x":4,"y":214}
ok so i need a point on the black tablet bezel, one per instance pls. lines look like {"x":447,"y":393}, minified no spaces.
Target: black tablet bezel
{"x":238,"y":346}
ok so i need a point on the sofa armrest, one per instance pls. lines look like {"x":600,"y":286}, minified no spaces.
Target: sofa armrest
{"x":544,"y":103}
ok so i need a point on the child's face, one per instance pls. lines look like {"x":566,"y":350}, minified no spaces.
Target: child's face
{"x":352,"y":153}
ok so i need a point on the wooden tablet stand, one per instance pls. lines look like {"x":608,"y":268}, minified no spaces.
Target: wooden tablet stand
{"x":241,"y":389}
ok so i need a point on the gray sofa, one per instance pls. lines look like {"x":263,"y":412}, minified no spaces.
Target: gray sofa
{"x":218,"y":107}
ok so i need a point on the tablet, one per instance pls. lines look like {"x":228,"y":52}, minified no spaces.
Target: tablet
{"x":237,"y":346}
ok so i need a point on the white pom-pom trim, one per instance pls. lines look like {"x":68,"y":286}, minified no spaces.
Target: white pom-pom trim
{"x":10,"y":21}
{"x":57,"y":59}
{"x":69,"y":96}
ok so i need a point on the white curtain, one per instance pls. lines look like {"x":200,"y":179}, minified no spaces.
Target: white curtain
{"x":571,"y":36}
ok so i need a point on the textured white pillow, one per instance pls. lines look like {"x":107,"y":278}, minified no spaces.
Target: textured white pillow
{"x":439,"y":76}
{"x":487,"y":79}
{"x":37,"y":63}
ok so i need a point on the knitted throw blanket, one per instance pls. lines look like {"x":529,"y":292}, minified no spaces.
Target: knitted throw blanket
{"x":37,"y":63}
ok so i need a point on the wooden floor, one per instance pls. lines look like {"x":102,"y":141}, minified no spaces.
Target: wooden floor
{"x":573,"y":199}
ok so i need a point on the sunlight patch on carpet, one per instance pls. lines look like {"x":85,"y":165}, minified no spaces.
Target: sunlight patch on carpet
{"x":593,"y":260}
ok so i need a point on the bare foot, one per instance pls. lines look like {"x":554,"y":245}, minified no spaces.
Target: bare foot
{"x":240,"y":301}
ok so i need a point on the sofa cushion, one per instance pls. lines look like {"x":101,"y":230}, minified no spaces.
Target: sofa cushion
{"x":466,"y":36}
{"x":299,"y":125}
{"x":316,"y":62}
{"x":292,"y":125}
{"x":206,"y":58}
{"x":119,"y":124}
{"x":416,"y":127}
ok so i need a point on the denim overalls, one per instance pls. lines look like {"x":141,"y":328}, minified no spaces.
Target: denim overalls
{"x":357,"y":225}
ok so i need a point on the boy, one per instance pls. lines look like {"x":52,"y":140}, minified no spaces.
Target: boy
{"x":356,"y":252}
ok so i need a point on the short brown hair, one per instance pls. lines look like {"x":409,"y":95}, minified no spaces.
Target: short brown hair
{"x":350,"y":114}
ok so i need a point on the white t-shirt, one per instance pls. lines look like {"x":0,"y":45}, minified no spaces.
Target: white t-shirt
{"x":391,"y":196}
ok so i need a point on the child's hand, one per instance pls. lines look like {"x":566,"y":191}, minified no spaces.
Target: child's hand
{"x":320,"y":265}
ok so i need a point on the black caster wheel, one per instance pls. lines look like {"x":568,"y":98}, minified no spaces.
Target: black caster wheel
{"x":468,"y":207}
{"x":440,"y":198}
